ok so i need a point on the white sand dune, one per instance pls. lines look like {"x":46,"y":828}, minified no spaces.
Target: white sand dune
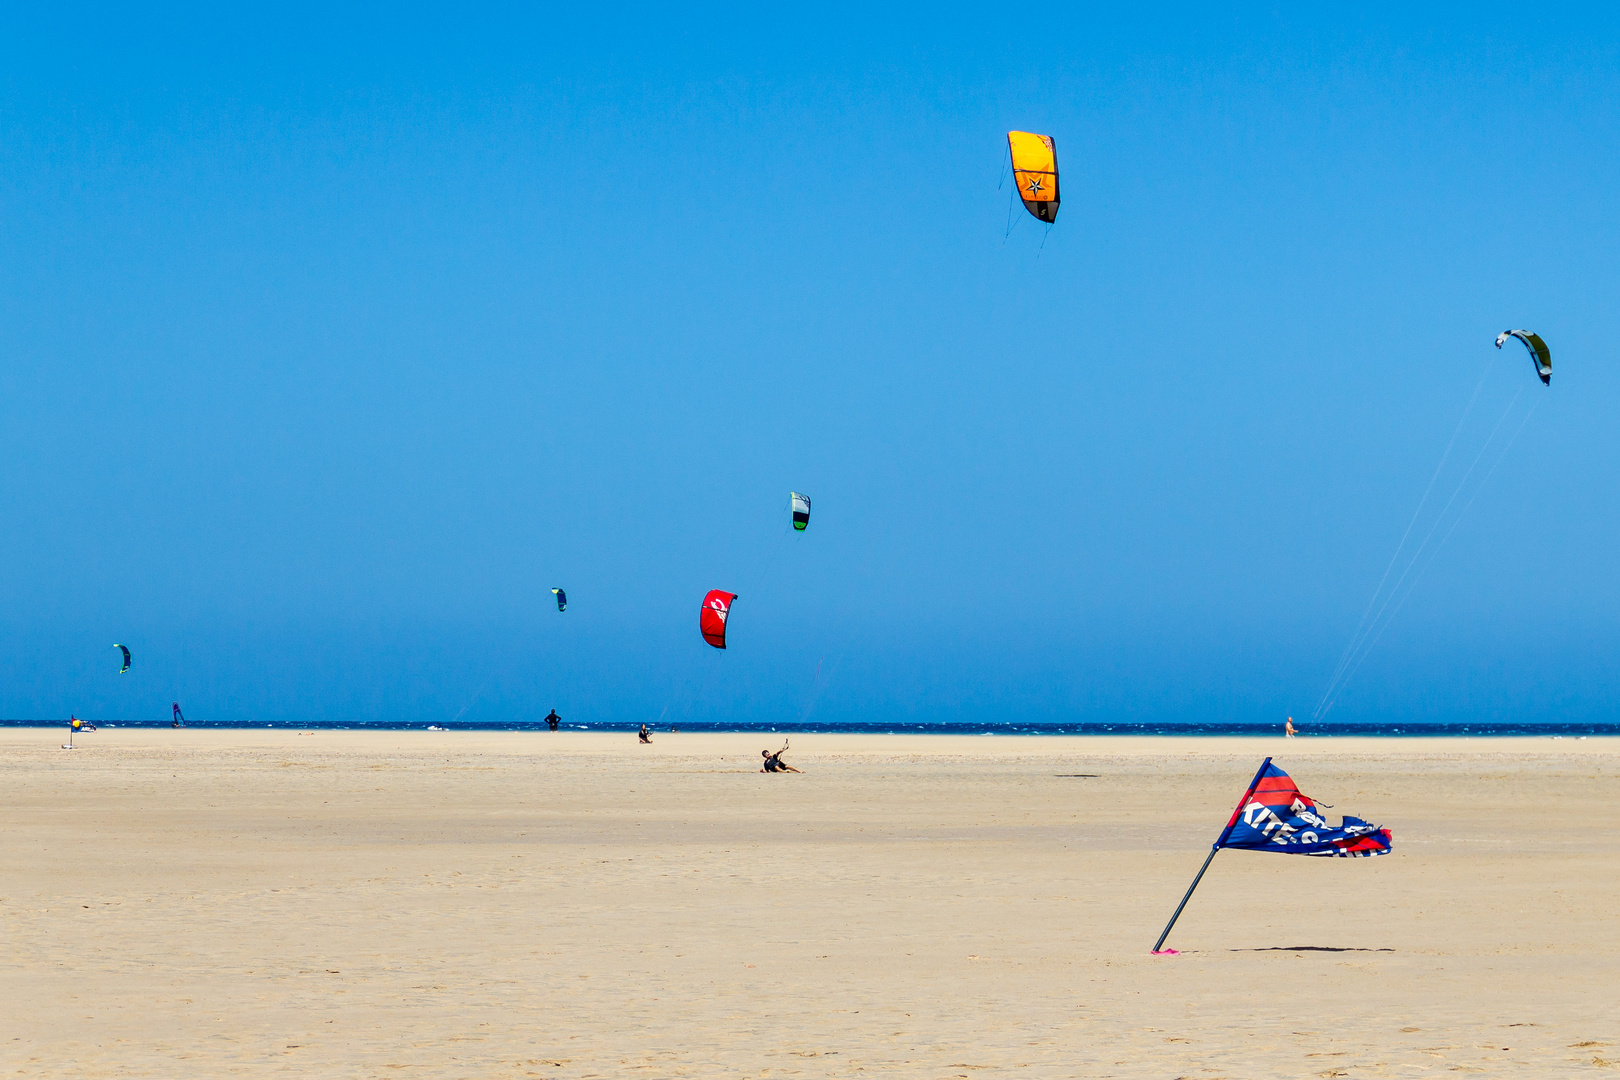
{"x":200,"y":903}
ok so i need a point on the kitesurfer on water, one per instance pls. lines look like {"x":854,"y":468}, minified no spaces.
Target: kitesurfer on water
{"x":552,"y":719}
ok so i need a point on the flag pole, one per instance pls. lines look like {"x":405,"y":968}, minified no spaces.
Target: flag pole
{"x":1160,"y":943}
{"x":1226,"y":832}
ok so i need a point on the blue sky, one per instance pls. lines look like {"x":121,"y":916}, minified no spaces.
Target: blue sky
{"x":333,"y":342}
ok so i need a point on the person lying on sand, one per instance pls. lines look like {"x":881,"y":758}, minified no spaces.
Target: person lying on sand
{"x":644,"y":735}
{"x":774,"y":762}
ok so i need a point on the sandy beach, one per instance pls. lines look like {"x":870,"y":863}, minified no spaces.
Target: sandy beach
{"x":202,"y":903}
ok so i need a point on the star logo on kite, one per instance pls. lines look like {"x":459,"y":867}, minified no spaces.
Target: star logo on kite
{"x":1035,"y":187}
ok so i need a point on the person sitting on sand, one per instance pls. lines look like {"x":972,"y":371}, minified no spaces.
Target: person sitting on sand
{"x":644,"y":734}
{"x":552,"y":719}
{"x":1288,"y":728}
{"x":774,"y":762}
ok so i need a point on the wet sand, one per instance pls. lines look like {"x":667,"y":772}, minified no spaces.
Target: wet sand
{"x":202,"y":903}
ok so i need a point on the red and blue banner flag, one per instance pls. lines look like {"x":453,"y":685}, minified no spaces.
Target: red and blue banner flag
{"x":1274,"y":815}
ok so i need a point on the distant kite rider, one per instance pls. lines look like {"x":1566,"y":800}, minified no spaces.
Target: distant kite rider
{"x":179,"y":717}
{"x":774,"y":762}
{"x":552,"y":719}
{"x":644,"y":735}
{"x":1288,"y":728}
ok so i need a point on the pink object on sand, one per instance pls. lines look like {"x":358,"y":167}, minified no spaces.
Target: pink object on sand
{"x":1166,"y":952}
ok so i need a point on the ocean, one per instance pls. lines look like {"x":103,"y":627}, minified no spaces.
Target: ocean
{"x":1486,"y":728}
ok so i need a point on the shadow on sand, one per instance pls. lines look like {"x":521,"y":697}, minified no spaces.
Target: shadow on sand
{"x":1308,"y":948}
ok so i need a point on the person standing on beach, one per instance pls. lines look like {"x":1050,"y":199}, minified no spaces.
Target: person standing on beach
{"x":552,"y":719}
{"x":1288,"y":728}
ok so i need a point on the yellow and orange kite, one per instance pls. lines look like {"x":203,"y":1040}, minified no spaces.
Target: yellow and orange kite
{"x":1034,"y":162}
